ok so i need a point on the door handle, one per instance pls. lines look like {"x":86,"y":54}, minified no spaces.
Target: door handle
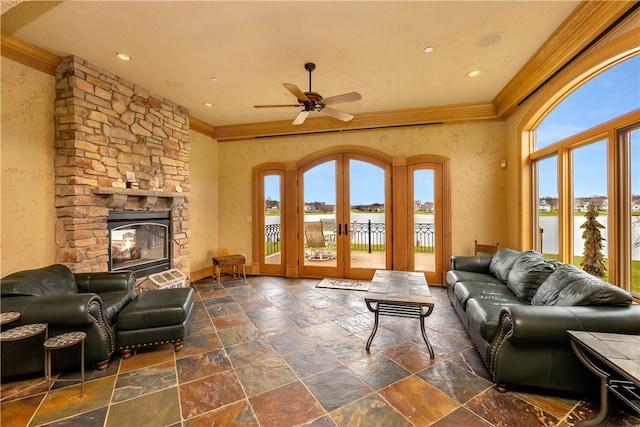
{"x":346,"y":229}
{"x":339,"y":229}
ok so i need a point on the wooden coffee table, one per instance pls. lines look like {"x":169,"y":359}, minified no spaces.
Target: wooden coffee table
{"x":400,"y":294}
{"x":615,"y":359}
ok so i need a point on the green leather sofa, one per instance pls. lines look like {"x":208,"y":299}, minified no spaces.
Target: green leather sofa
{"x":517,"y":308}
{"x":87,"y":302}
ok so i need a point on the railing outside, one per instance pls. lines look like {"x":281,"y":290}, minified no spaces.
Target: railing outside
{"x":271,"y":239}
{"x":367,"y":237}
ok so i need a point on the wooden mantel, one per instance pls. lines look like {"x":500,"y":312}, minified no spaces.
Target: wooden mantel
{"x":117,"y":198}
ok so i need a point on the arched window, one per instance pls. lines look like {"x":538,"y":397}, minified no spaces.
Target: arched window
{"x":586,"y":153}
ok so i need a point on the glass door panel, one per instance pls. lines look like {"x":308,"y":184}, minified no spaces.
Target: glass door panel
{"x":425,"y":220}
{"x":366,"y":219}
{"x":270,"y":223}
{"x":272,"y":220}
{"x":424,"y":227}
{"x":319,"y":219}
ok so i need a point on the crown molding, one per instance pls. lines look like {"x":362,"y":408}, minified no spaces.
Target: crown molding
{"x":200,"y":126}
{"x":362,"y":121}
{"x":28,"y":54}
{"x":585,"y":24}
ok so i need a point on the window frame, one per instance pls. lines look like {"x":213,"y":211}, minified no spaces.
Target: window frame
{"x":618,"y":193}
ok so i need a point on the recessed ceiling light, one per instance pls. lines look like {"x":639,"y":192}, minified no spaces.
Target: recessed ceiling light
{"x":122,"y":56}
{"x":489,"y":39}
{"x":474,"y":73}
{"x":208,"y":104}
{"x":429,"y":49}
{"x":215,"y":79}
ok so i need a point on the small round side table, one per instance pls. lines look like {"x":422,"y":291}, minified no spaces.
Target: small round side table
{"x":24,"y":331}
{"x":63,"y":341}
{"x":8,"y":317}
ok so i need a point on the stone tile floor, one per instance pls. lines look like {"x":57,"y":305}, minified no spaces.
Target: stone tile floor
{"x":280,"y":352}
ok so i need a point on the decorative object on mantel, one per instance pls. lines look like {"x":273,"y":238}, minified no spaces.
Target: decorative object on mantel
{"x":154,"y":184}
{"x":131,"y":181}
{"x":178,"y":189}
{"x":119,"y":184}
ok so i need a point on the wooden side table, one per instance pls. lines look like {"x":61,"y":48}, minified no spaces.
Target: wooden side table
{"x":62,"y":341}
{"x":233,"y":261}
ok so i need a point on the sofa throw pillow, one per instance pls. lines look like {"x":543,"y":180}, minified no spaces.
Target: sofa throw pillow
{"x":528,"y":273}
{"x":502,"y":262}
{"x":569,"y":285}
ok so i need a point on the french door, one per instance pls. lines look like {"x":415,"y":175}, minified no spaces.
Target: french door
{"x":344,"y":216}
{"x":426,"y":219}
{"x":271,"y":224}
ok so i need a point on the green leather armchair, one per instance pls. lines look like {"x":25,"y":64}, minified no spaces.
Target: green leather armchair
{"x":87,"y":302}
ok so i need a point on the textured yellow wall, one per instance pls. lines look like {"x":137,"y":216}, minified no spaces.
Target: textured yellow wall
{"x":484,"y":201}
{"x":27,"y":154}
{"x":203,"y":200}
{"x":478,"y":184}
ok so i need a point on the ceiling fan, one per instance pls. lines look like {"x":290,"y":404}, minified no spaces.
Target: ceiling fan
{"x":313,"y":101}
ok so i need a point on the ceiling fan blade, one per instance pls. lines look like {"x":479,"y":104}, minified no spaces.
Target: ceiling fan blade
{"x":300,"y":118}
{"x":295,"y":90}
{"x":345,"y":97}
{"x":276,"y":106}
{"x":337,"y":114}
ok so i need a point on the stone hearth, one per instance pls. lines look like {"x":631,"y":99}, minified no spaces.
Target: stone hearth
{"x":107,"y":126}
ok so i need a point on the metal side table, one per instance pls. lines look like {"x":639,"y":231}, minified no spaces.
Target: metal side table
{"x":21,"y":332}
{"x":63,"y":341}
{"x":614,"y":359}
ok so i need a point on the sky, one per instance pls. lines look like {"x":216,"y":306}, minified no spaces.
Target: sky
{"x":611,"y":94}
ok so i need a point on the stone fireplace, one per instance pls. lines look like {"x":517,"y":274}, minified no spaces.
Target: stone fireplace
{"x":106,"y":128}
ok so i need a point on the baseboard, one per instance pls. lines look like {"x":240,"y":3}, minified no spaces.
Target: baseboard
{"x":201,"y":274}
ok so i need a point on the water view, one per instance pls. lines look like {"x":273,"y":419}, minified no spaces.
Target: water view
{"x":548,"y":223}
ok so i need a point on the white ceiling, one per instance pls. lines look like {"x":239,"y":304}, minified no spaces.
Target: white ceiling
{"x":375,"y":48}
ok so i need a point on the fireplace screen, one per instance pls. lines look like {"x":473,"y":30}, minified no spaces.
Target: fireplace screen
{"x":139,"y":245}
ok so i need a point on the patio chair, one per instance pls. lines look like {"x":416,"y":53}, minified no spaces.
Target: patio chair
{"x":317,"y":249}
{"x":329,"y":231}
{"x":486,"y":249}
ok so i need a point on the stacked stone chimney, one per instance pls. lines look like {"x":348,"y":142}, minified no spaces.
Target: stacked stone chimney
{"x":107,"y":126}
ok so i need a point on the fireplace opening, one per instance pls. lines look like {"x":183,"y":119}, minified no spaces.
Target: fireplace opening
{"x":139,"y":241}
